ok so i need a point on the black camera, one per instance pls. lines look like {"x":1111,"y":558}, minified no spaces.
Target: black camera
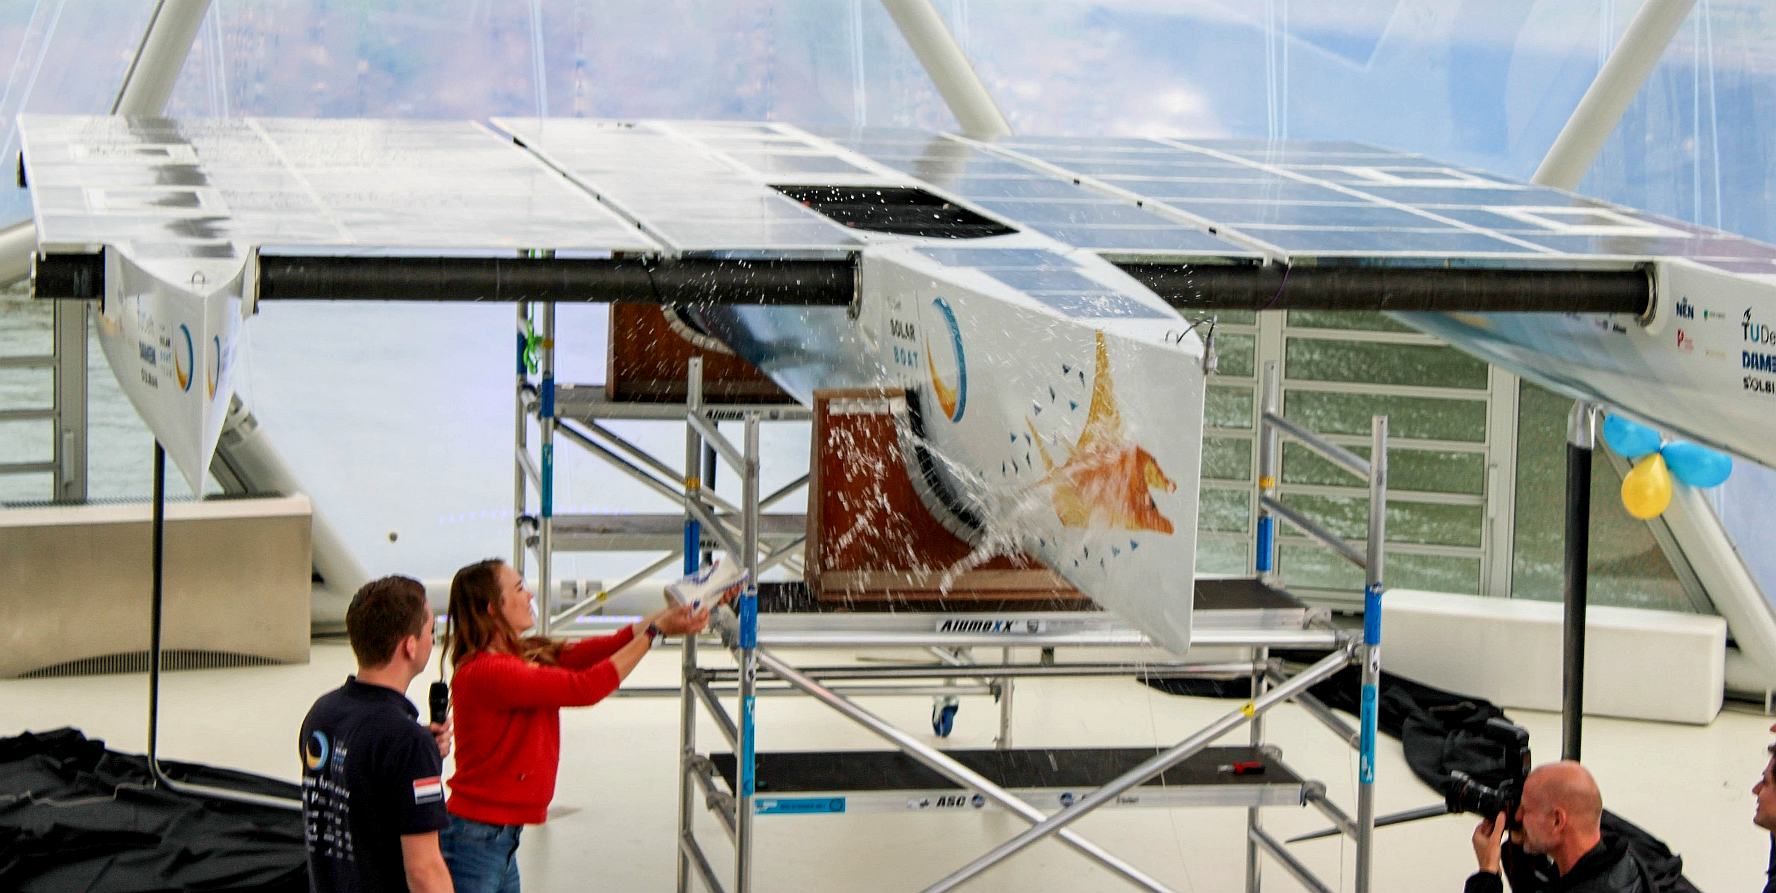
{"x":1505,"y":744}
{"x":1469,"y":795}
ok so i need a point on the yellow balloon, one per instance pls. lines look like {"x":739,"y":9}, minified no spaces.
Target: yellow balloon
{"x":1646,"y":490}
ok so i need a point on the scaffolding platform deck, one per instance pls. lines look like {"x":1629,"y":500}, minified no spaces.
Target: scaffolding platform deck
{"x":1240,"y":611}
{"x":1231,"y":611}
{"x":593,"y":401}
{"x":814,"y":783}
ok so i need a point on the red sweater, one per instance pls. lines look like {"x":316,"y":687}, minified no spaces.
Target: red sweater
{"x":508,"y":727}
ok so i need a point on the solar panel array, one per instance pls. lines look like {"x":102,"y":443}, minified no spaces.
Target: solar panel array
{"x":696,"y":186}
{"x":1052,"y":280}
{"x":1029,"y":197}
{"x":1301,"y":201}
{"x":206,"y":188}
{"x":214,"y":188}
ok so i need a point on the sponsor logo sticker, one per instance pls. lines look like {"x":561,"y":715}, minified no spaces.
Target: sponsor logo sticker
{"x":1754,"y":332}
{"x":799,"y":805}
{"x":1007,"y":627}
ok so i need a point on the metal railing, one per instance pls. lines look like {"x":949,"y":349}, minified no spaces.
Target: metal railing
{"x":66,"y":408}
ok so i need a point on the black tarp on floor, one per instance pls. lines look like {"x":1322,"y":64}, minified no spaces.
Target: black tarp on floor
{"x":75,"y":816}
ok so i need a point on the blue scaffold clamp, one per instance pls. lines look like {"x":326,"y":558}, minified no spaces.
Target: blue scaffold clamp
{"x":693,"y":541}
{"x":749,"y":613}
{"x":1369,"y":708}
{"x":748,"y":762}
{"x":1266,"y":544}
{"x":1372,"y":614}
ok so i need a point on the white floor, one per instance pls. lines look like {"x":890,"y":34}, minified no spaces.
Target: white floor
{"x":612,"y":824}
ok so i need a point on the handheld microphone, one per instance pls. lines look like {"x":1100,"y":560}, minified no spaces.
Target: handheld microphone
{"x":440,"y":701}
{"x":439,"y":695}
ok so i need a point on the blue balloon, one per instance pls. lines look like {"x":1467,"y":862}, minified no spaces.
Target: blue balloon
{"x":1631,"y":440}
{"x":1697,"y":466}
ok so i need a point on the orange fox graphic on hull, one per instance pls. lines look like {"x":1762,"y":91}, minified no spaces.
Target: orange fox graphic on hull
{"x":1107,"y":481}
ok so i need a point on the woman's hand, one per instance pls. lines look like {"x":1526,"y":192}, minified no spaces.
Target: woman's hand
{"x":680,"y":620}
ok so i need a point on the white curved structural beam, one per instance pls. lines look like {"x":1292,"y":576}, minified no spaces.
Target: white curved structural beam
{"x":949,"y":68}
{"x":165,"y":45}
{"x":1616,"y":85}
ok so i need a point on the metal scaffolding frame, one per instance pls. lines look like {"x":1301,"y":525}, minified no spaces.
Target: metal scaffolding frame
{"x":578,"y":415}
{"x":754,"y":645}
{"x":706,"y":522}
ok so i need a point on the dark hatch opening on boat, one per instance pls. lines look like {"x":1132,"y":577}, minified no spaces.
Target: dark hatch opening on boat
{"x":897,"y":210}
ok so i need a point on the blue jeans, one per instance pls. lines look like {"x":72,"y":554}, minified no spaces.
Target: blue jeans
{"x":482,"y":858}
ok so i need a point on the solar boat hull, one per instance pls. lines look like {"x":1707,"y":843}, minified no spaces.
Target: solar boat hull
{"x":1077,"y":438}
{"x":1702,"y":364}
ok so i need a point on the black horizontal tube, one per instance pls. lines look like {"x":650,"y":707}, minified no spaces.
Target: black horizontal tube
{"x":689,"y":280}
{"x":64,"y":277}
{"x":698,"y":280}
{"x":1398,"y":289}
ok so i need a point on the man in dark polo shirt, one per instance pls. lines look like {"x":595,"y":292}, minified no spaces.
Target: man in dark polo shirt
{"x":372,"y":796}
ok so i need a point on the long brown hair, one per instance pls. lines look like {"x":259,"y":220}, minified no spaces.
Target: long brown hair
{"x":478,"y":625}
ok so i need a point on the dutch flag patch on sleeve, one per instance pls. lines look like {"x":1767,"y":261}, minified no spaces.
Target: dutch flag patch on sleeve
{"x":428,"y":790}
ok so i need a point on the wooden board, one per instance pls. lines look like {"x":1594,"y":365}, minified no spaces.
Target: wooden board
{"x":648,"y":357}
{"x":870,"y":536}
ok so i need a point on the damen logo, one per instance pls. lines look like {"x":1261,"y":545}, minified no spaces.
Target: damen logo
{"x":953,"y":400}
{"x":186,"y":370}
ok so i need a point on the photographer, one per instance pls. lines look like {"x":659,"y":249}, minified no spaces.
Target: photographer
{"x":1560,"y":817}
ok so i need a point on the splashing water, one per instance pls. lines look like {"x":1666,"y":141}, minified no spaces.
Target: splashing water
{"x":1005,"y":516}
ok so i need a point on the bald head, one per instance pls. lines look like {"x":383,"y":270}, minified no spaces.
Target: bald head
{"x":1568,"y":786}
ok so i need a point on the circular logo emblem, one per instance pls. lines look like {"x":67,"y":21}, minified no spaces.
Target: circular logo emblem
{"x":948,"y":368}
{"x":185,"y":370}
{"x":216,"y":362}
{"x":315,"y":754}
